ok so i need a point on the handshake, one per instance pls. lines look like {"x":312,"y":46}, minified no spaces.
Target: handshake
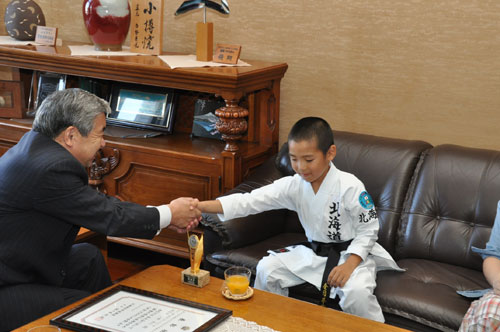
{"x":185,"y":214}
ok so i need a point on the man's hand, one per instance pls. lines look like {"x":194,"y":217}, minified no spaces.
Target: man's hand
{"x":185,"y":214}
{"x":341,"y":273}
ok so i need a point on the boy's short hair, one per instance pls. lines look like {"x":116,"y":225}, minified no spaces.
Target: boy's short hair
{"x":312,"y":127}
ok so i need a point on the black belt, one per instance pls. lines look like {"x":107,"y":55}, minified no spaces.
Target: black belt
{"x":332,"y":251}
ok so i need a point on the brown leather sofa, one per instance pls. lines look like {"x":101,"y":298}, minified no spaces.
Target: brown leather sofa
{"x":433,"y":204}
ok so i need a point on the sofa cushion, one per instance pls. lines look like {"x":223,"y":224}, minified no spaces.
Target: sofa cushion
{"x":385,"y":166}
{"x":250,"y":255}
{"x":426,"y":292}
{"x":452,"y":206}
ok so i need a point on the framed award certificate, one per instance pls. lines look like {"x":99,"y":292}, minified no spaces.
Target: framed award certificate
{"x":145,"y":107}
{"x":127,"y":309}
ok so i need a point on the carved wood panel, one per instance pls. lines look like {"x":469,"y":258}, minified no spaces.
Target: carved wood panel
{"x":146,"y":184}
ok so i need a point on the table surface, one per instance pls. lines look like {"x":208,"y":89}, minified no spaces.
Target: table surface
{"x":275,"y":311}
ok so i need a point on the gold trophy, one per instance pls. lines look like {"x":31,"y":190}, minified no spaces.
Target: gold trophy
{"x":193,"y":275}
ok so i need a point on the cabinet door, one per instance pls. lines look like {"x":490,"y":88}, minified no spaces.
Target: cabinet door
{"x":155,"y":180}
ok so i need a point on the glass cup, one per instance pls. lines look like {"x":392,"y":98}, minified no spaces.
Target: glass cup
{"x":237,"y":280}
{"x":45,"y":328}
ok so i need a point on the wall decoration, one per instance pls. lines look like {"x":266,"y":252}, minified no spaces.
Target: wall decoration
{"x":21,"y":19}
{"x":107,"y":22}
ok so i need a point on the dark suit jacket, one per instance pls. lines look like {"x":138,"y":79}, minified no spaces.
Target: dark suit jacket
{"x":44,"y":200}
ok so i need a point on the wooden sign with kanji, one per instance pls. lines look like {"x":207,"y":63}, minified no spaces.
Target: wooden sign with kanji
{"x":146,"y":26}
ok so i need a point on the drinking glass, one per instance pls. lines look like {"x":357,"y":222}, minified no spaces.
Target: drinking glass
{"x":237,"y":280}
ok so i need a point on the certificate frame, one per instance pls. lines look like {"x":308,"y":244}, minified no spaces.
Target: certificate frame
{"x":48,"y":83}
{"x":92,"y":307}
{"x":144,"y":107}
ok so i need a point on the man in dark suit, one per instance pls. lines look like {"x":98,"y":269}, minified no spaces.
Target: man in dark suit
{"x":45,"y":199}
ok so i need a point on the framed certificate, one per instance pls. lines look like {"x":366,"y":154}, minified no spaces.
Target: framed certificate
{"x":127,"y":309}
{"x":48,"y":83}
{"x":143,"y":107}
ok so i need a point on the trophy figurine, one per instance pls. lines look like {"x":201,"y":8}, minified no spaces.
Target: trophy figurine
{"x":193,"y":275}
{"x":204,"y":30}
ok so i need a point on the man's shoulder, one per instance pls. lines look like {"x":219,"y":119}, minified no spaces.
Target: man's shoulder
{"x":37,"y":150}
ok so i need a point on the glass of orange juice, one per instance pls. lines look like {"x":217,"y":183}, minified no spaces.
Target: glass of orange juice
{"x":237,"y":280}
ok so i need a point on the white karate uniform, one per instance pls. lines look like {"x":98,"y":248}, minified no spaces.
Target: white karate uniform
{"x":340,"y":211}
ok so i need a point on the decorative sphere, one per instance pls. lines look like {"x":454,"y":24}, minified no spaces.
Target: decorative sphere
{"x":21,"y":19}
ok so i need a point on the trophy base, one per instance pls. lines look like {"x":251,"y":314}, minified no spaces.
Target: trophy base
{"x":200,"y":279}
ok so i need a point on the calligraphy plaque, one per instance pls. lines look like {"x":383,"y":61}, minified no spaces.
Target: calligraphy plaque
{"x":146,"y":26}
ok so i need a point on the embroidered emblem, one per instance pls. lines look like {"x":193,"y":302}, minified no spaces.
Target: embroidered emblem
{"x":365,"y":200}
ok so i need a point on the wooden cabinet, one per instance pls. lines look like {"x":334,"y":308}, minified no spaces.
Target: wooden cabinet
{"x":156,"y":170}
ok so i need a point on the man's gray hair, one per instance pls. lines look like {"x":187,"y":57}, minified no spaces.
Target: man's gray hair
{"x":70,"y":107}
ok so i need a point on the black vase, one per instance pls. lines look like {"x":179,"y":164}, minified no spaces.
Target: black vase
{"x":21,"y":19}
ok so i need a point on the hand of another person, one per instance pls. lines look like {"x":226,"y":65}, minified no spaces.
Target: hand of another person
{"x":185,"y":213}
{"x":340,"y":274}
{"x":496,"y":285}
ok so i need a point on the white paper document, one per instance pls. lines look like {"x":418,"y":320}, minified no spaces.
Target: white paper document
{"x":186,"y":61}
{"x":90,"y":50}
{"x":8,"y":40}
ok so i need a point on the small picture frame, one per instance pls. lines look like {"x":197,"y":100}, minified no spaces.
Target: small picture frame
{"x":204,"y":121}
{"x":144,"y":107}
{"x":48,"y":83}
{"x":11,"y":100}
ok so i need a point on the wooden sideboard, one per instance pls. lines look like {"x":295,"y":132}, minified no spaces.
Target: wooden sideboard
{"x":156,"y":170}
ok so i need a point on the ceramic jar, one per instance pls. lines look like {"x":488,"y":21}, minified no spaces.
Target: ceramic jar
{"x":107,"y":22}
{"x":21,"y":19}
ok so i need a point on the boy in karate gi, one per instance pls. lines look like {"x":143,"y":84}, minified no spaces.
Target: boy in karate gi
{"x":338,"y":217}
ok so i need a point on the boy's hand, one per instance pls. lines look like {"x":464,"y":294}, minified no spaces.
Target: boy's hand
{"x":341,"y":273}
{"x":185,"y":213}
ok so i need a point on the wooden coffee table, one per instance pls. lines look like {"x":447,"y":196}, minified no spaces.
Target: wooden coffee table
{"x":275,"y":311}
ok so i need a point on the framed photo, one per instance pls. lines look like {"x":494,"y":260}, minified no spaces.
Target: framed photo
{"x":142,"y":107}
{"x":125,"y":308}
{"x":48,"y":83}
{"x":11,"y":100}
{"x":204,"y":121}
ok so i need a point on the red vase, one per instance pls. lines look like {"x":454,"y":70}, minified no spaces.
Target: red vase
{"x":107,"y":22}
